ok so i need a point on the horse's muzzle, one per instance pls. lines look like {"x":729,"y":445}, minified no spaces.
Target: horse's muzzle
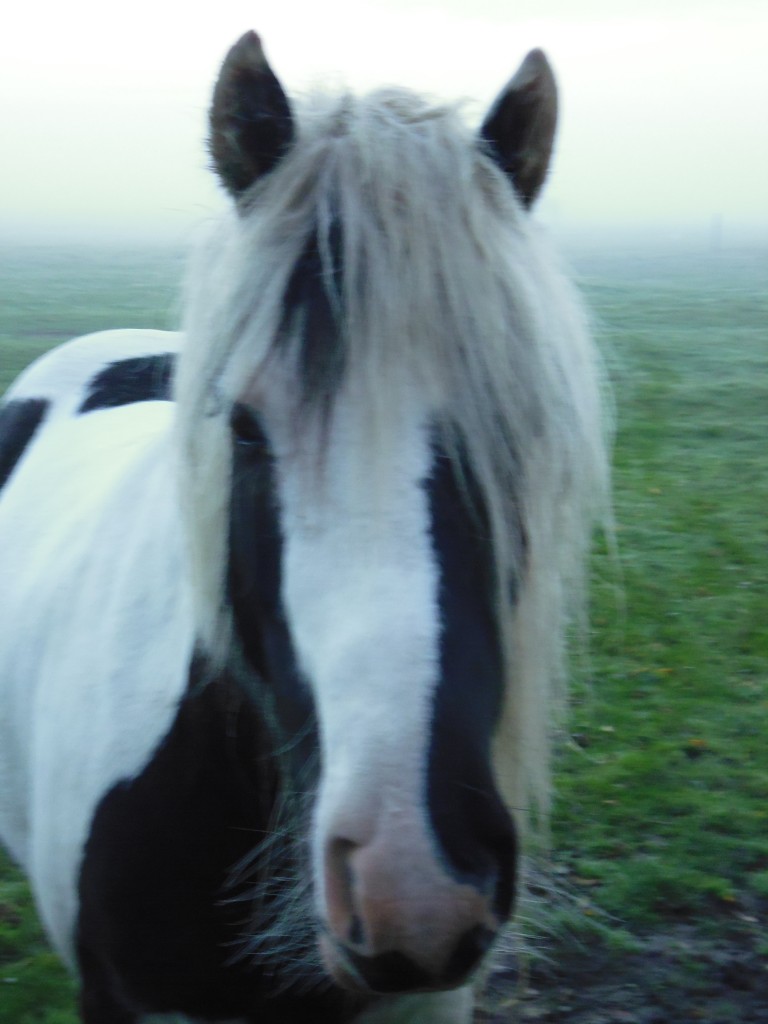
{"x":395,"y":924}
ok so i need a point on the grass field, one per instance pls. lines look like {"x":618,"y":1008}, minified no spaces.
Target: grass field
{"x":672,"y":770}
{"x":660,"y":828}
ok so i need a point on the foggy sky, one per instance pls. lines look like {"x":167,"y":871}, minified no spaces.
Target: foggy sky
{"x":662,"y":116}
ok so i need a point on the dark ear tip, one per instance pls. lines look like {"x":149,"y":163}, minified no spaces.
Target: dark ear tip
{"x":535,"y":71}
{"x":251,"y":38}
{"x":247,"y":50}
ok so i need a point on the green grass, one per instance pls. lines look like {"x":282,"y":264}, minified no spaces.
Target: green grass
{"x":52,"y":294}
{"x":661,"y":813}
{"x":34,"y":986}
{"x":662,"y":809}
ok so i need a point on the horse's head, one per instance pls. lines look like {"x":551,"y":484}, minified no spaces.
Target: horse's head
{"x":364,"y":571}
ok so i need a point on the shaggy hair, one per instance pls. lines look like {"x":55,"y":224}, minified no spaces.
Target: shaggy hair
{"x":434,"y":277}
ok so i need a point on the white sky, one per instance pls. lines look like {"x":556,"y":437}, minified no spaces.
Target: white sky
{"x":664,"y":103}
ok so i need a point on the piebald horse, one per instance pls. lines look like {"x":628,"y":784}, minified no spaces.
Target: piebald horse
{"x":284,"y":595}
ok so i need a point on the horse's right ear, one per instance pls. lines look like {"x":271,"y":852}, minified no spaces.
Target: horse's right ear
{"x":251,"y":124}
{"x":520,"y":127}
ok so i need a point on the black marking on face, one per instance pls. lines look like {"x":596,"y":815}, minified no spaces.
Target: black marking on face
{"x":255,"y":579}
{"x":314,"y":297}
{"x":472,"y":825}
{"x":19,"y":420}
{"x":141,"y":379}
{"x":163,"y":919}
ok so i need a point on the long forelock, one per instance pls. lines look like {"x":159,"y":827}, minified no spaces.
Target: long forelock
{"x":387,"y":251}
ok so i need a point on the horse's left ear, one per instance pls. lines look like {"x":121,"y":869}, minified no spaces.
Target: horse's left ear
{"x":251,"y":124}
{"x":520,"y":126}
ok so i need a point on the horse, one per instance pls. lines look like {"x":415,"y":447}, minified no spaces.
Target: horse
{"x":286,"y":594}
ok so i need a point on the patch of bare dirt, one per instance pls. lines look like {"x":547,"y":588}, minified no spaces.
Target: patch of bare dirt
{"x":682,"y":974}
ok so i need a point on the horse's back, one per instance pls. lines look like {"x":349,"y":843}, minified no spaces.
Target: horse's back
{"x":92,"y":658}
{"x":96,"y":371}
{"x":65,"y":375}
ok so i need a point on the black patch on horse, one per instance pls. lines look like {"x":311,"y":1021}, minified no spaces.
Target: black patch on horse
{"x":164,"y":914}
{"x":314,"y":297}
{"x":255,"y":583}
{"x":141,"y":379}
{"x":472,"y":825}
{"x":19,"y":420}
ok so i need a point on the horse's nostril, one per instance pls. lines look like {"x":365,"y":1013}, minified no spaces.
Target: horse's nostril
{"x":356,"y":935}
{"x":470,"y":949}
{"x":344,"y":915}
{"x":340,"y":851}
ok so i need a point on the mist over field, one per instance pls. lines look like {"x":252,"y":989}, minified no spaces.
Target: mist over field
{"x":662,"y":127}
